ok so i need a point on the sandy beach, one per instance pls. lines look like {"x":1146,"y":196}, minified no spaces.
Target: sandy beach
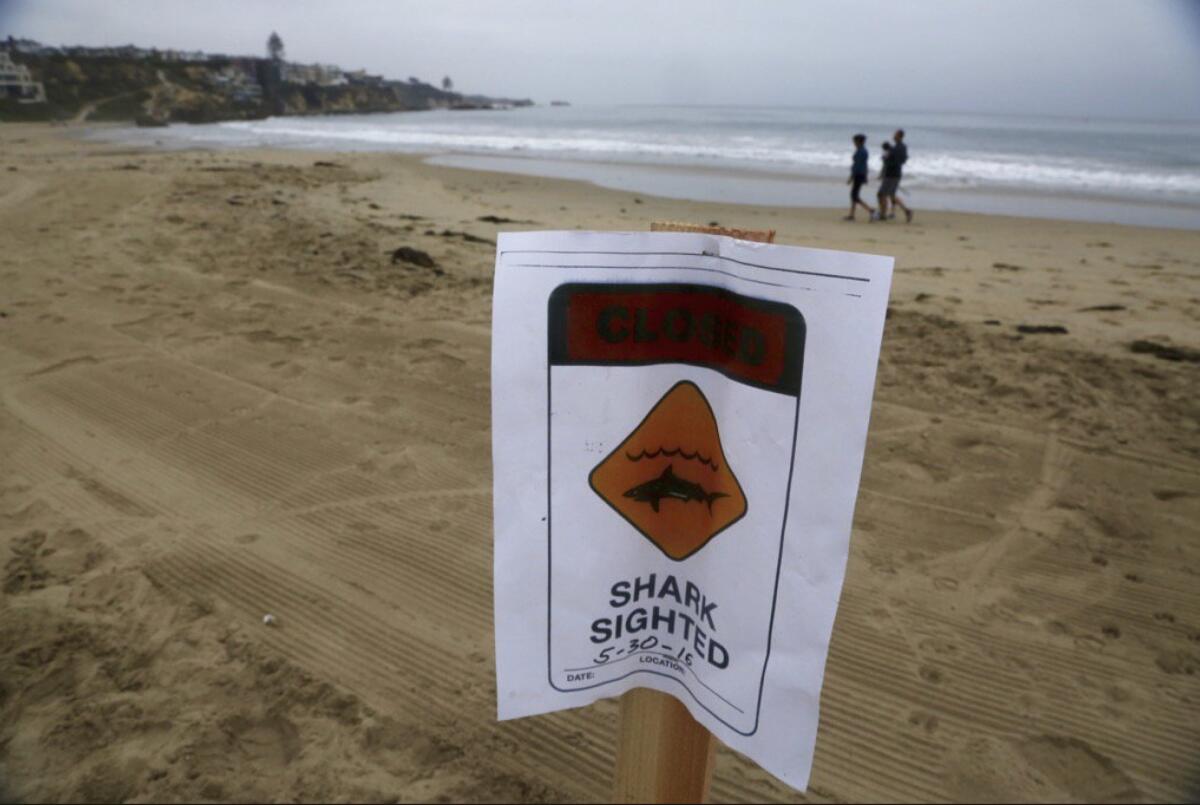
{"x":223,"y":396}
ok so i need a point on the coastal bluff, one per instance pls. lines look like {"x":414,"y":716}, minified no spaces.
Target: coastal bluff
{"x":152,"y":86}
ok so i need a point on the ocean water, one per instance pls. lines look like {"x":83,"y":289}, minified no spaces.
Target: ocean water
{"x":1112,"y":163}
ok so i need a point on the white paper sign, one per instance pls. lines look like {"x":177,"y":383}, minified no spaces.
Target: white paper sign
{"x":678,"y":430}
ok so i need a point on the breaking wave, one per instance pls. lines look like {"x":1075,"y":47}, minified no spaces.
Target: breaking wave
{"x":1113,"y":162}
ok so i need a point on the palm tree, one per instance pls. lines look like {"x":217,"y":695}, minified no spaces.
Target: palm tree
{"x":275,"y":47}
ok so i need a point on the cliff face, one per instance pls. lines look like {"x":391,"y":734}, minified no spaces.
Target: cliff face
{"x":111,"y":88}
{"x":292,"y":99}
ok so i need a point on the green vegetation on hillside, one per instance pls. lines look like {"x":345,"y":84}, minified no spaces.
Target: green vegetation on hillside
{"x":125,"y":89}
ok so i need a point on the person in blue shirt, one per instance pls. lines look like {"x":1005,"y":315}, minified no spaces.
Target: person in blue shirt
{"x":895,"y":154}
{"x":858,"y":177}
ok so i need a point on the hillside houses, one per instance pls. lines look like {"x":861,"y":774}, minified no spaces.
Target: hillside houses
{"x":29,"y":47}
{"x":17,"y":83}
{"x":225,"y":78}
{"x":120,"y":82}
{"x":320,"y":75}
{"x":365,"y":78}
{"x":239,"y":80}
{"x":192,"y":56}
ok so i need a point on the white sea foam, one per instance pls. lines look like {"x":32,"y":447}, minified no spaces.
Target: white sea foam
{"x":942,"y":158}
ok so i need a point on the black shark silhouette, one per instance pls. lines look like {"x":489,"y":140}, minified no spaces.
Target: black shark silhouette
{"x":670,"y":485}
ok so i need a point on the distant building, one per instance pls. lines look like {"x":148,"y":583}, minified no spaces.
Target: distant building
{"x":321,"y":75}
{"x":363,"y":77}
{"x":123,"y":52}
{"x":238,"y":81}
{"x":132,"y":52}
{"x":184,"y":55}
{"x":16,"y":81}
{"x":247,"y":93}
{"x":229,"y":75}
{"x":29,"y":47}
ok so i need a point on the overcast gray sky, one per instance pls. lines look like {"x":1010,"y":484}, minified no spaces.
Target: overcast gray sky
{"x":1110,"y":58}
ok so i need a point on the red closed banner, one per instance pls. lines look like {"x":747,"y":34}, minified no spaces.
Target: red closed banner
{"x":752,"y":340}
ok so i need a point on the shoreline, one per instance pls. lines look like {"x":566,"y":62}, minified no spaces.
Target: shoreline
{"x":762,"y":188}
{"x":818,"y":227}
{"x":751,"y":185}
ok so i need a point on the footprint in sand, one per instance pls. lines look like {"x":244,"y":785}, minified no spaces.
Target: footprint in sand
{"x":924,"y":721}
{"x":941,"y":646}
{"x":1178,"y":661}
{"x":931,"y":674}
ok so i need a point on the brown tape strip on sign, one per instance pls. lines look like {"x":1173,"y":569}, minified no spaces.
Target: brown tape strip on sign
{"x":757,"y":235}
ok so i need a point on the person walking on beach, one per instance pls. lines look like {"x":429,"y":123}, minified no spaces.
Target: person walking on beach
{"x":858,"y":177}
{"x":894,"y":156}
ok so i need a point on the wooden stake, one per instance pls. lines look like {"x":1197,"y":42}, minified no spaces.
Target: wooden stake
{"x":663,"y":754}
{"x":758,"y":235}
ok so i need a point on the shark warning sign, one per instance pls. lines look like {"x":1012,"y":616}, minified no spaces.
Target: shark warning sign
{"x":679,"y":511}
{"x":678,"y":430}
{"x":629,"y":363}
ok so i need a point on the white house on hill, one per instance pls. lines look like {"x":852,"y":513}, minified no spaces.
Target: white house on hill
{"x":16,"y":81}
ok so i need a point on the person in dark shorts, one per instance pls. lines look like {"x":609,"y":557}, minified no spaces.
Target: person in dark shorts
{"x":858,"y":177}
{"x":895,"y":154}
